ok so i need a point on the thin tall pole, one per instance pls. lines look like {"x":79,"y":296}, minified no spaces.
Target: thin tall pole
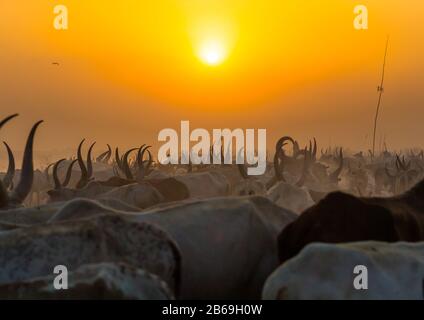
{"x":380,"y":89}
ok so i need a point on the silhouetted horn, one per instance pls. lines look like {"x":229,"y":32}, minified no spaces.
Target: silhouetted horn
{"x":7,"y":119}
{"x":69,"y":173}
{"x":283,"y":141}
{"x":118,"y":159}
{"x":101,"y":157}
{"x":57,"y":184}
{"x":149,"y":161}
{"x":109,"y":154}
{"x":8,"y":178}
{"x":142,"y":169}
{"x":46,"y":172}
{"x":140,"y":155}
{"x":84,"y":174}
{"x":21,"y":191}
{"x":125,"y":165}
{"x":89,"y":162}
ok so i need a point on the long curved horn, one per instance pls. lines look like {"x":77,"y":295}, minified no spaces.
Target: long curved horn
{"x":140,"y":155}
{"x":21,"y":191}
{"x":125,"y":165}
{"x":69,"y":173}
{"x":334,"y":177}
{"x":84,"y":174}
{"x":7,"y":119}
{"x":144,"y":165}
{"x":142,"y":169}
{"x":280,"y":144}
{"x":109,"y":154}
{"x":102,"y":156}
{"x":46,"y":172}
{"x":89,"y":162}
{"x":8,"y":178}
{"x":118,"y":159}
{"x":306,"y":162}
{"x":57,"y":184}
{"x":150,"y":161}
{"x":4,"y":197}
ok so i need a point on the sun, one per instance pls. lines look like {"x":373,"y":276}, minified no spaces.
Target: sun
{"x":212,"y":53}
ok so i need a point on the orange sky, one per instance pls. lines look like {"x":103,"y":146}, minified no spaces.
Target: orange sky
{"x":130,"y":68}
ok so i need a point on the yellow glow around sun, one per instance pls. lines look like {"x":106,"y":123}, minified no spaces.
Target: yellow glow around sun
{"x":212,"y":53}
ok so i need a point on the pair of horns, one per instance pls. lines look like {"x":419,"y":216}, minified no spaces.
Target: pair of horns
{"x":23,"y":188}
{"x":86,"y":171}
{"x":280,"y":155}
{"x":10,"y":174}
{"x":105,"y":156}
{"x":56,"y":180}
{"x":143,"y":165}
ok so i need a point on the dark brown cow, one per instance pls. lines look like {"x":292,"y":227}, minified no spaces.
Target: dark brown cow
{"x":342,"y":218}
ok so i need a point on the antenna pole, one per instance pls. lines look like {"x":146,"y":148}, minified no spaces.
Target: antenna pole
{"x":380,"y":89}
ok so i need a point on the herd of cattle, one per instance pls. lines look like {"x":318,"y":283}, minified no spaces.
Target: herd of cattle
{"x":127,"y":227}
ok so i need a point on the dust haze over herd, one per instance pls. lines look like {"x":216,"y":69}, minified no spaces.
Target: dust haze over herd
{"x":211,"y":150}
{"x":125,"y":79}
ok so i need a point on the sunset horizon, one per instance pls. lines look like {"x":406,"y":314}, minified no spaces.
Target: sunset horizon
{"x":300,"y":70}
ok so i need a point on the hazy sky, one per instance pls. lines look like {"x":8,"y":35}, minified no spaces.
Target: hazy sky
{"x":130,"y":68}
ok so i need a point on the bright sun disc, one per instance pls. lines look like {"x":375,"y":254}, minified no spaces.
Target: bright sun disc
{"x":212,"y":53}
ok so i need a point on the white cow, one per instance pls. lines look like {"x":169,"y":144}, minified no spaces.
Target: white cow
{"x":326,"y":271}
{"x":205,"y":184}
{"x":296,"y":199}
{"x":93,"y":281}
{"x":80,"y":242}
{"x":228,"y":245}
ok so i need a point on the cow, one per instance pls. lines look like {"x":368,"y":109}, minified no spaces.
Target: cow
{"x":78,"y":242}
{"x":341,"y":217}
{"x":227,"y":245}
{"x":205,"y":184}
{"x":294,"y":196}
{"x":337,"y":271}
{"x":110,"y":281}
